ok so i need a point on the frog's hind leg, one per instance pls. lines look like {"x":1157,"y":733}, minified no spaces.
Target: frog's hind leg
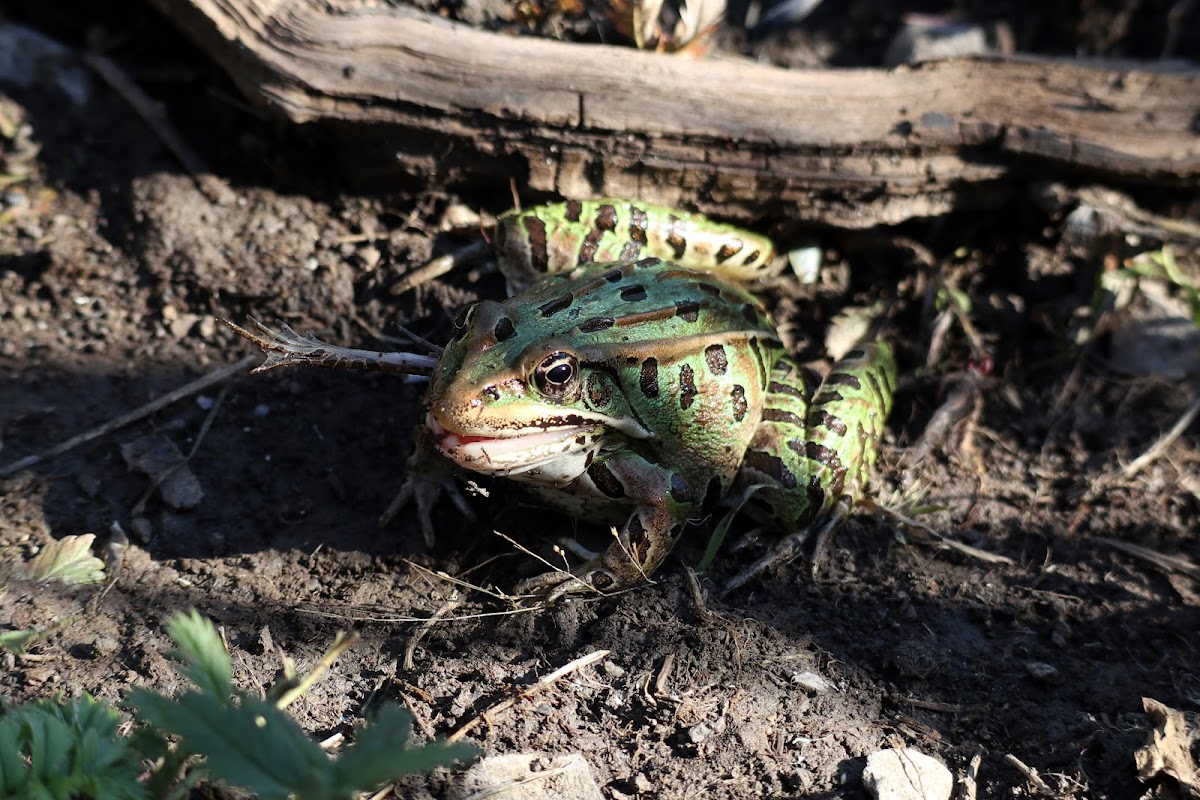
{"x":812,"y":458}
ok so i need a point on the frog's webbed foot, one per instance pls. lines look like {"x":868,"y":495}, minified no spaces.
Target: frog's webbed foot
{"x":426,"y":491}
{"x":427,"y":481}
{"x":791,"y":546}
{"x":550,"y":587}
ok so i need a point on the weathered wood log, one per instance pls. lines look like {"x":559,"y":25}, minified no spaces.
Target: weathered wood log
{"x":417,"y":98}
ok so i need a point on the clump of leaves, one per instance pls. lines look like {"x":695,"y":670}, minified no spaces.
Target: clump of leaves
{"x":52,"y":749}
{"x":68,"y":560}
{"x":248,"y":742}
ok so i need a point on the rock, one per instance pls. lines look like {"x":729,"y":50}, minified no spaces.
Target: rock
{"x":906,"y":774}
{"x":927,"y":38}
{"x":529,"y":776}
{"x":157,"y":456}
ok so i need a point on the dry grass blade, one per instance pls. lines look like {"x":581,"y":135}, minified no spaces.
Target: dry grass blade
{"x":1162,"y":561}
{"x":541,"y":684}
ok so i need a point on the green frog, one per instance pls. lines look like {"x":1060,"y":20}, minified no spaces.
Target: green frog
{"x":631,"y":380}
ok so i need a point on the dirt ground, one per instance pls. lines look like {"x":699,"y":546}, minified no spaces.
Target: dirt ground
{"x":114,"y":271}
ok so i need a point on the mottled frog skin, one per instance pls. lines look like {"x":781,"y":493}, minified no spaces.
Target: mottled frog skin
{"x":641,"y":392}
{"x":562,"y":236}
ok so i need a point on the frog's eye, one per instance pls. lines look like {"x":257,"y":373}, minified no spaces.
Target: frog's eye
{"x":556,"y":374}
{"x":461,"y":320}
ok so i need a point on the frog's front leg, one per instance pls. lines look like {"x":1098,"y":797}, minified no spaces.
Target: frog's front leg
{"x":428,"y":478}
{"x":662,"y":501}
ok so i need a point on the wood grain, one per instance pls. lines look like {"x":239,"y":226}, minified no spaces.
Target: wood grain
{"x":414,"y":98}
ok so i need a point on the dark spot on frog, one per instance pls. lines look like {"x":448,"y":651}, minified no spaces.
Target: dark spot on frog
{"x":740,"y":406}
{"x":556,"y":305}
{"x":504,"y":330}
{"x":574,"y":210}
{"x":637,"y":225}
{"x":687,"y":386}
{"x":631,"y":294}
{"x":675,"y":237}
{"x":535,"y":229}
{"x":729,"y":250}
{"x":750,"y":259}
{"x":636,"y":530}
{"x":605,"y":481}
{"x":843,"y":379}
{"x":831,"y":422}
{"x":750,"y":313}
{"x":491,"y":393}
{"x":709,"y":288}
{"x":819,"y":453}
{"x":714,"y":355}
{"x":581,"y":440}
{"x":631,"y":360}
{"x":613,"y":275}
{"x":827,"y":396}
{"x":771,"y":466}
{"x":649,"y":377}
{"x":596,"y":324}
{"x":646,"y":263}
{"x":606,"y":218}
{"x":854,"y":355}
{"x":688,"y":311}
{"x":600,"y":579}
{"x":776,"y":387}
{"x":779,"y":415}
{"x":587,"y":462}
{"x":679,"y":490}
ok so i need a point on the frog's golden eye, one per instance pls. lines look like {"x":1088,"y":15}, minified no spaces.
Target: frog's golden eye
{"x":462,"y":319}
{"x":556,"y":374}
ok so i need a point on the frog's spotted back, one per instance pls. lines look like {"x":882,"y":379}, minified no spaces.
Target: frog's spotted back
{"x":561,"y":236}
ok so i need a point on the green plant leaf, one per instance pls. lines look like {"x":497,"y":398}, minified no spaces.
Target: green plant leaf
{"x":250,"y":744}
{"x":380,"y":753}
{"x":200,"y":647}
{"x":17,"y":641}
{"x":68,"y":560}
{"x":56,"y":750}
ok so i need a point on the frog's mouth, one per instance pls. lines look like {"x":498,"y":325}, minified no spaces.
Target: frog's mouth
{"x":516,"y":453}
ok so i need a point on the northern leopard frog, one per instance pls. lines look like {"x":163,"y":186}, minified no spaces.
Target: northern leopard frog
{"x":627,"y":388}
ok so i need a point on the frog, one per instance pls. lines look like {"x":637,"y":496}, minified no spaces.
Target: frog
{"x":632,"y":378}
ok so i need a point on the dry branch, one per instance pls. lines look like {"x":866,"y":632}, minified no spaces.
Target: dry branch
{"x":418,"y":98}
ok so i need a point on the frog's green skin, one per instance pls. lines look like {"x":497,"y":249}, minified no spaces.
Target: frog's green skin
{"x":559,"y":237}
{"x":640,"y":393}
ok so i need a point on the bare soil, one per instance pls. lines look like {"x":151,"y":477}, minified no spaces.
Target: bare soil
{"x":114,"y":271}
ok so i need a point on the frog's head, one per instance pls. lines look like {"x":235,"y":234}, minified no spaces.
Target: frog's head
{"x":510,"y":395}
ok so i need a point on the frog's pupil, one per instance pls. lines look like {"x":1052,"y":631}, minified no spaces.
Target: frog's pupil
{"x":559,"y":374}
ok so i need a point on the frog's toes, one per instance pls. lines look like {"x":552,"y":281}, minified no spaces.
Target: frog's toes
{"x":550,"y":587}
{"x":425,"y":491}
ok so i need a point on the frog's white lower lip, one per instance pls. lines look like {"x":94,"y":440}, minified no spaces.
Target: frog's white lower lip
{"x":509,"y":455}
